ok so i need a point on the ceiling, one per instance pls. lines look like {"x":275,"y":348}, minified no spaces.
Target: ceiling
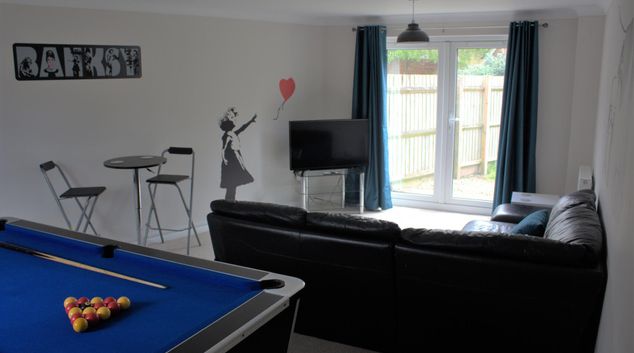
{"x":339,"y":11}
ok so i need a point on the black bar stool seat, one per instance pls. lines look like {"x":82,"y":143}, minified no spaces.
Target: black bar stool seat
{"x":167,"y":179}
{"x":83,"y":192}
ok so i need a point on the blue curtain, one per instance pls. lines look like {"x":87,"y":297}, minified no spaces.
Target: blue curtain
{"x":369,"y":101}
{"x":518,"y":130}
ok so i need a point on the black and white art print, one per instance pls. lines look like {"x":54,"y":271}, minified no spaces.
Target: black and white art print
{"x":35,"y":62}
{"x":233,"y":170}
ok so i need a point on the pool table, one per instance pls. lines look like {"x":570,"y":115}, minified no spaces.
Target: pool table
{"x":206,"y":306}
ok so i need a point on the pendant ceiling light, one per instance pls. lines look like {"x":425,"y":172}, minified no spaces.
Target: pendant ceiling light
{"x":413,"y":33}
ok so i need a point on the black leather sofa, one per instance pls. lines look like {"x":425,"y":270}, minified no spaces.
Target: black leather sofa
{"x":371,"y":285}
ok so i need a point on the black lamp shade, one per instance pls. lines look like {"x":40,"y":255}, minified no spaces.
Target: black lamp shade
{"x":413,"y":33}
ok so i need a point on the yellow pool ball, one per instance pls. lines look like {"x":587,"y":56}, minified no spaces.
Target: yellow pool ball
{"x":124,"y":303}
{"x":69,"y":300}
{"x":74,"y":310}
{"x":89,"y":309}
{"x":96,"y":300}
{"x":80,"y":324}
{"x":103,"y":313}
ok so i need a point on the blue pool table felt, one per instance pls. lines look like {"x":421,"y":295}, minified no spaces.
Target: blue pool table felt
{"x":32,"y":292}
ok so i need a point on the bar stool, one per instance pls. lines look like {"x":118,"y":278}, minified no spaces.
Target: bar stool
{"x":172,"y":179}
{"x":90,"y":193}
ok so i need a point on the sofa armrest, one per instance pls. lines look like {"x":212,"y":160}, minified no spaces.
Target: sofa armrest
{"x":512,"y":213}
{"x":500,"y":245}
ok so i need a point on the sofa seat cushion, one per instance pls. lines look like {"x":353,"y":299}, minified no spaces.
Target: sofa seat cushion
{"x":488,"y":226}
{"x":280,"y":215}
{"x":533,"y":224}
{"x":345,"y":225}
{"x":514,"y":247}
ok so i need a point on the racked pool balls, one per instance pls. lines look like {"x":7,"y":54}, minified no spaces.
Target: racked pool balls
{"x":86,"y":313}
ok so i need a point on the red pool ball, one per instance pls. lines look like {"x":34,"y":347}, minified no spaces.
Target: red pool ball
{"x":70,"y":306}
{"x":92,"y":319}
{"x":82,"y":300}
{"x":75,"y":317}
{"x":98,"y":305}
{"x":108,"y":300}
{"x":114,"y":307}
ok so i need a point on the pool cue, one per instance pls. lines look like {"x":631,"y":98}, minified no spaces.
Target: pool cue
{"x":67,"y":262}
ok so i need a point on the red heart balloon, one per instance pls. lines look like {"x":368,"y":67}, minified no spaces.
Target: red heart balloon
{"x":287,"y":88}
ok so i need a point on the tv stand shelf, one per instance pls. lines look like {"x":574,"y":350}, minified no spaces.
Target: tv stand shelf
{"x":306,"y":175}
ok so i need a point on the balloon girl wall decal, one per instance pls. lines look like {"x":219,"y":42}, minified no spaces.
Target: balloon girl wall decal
{"x":233,"y":171}
{"x":287,"y":88}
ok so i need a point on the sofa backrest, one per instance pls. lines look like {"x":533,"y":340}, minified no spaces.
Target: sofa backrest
{"x":501,"y":246}
{"x":574,"y":220}
{"x":269,"y":213}
{"x":347,"y":263}
{"x":353,"y":227}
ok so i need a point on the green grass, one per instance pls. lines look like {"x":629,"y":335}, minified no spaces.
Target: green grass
{"x":491,"y":170}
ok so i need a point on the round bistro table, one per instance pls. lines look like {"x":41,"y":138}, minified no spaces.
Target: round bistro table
{"x":135,"y":163}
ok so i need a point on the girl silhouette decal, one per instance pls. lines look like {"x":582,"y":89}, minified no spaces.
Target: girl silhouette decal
{"x":233,"y":172}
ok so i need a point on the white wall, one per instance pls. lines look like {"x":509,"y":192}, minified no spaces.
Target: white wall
{"x":193,"y":69}
{"x":556,"y":78}
{"x":614,"y":173}
{"x":585,"y":95}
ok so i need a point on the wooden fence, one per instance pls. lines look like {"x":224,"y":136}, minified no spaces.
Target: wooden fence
{"x":413,"y":112}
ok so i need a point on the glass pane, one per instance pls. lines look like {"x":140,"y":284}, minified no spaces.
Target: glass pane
{"x":412,"y":113}
{"x":479,"y":86}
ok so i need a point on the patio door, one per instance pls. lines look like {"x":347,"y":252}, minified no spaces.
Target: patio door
{"x":444,"y":107}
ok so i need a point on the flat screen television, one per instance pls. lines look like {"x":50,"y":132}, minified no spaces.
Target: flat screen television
{"x":328,"y":144}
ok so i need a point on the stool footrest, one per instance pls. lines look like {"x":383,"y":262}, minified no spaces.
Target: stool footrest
{"x":168,"y":229}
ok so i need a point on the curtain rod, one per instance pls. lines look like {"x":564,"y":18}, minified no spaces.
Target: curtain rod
{"x":543,"y":25}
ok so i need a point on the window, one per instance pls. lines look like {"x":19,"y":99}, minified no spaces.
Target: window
{"x":444,"y":108}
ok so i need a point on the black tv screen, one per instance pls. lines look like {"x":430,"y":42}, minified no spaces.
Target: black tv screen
{"x":328,"y":144}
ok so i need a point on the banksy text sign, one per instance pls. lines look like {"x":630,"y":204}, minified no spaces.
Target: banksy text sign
{"x":75,"y":62}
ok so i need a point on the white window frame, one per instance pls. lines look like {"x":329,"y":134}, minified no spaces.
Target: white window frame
{"x":447,"y":74}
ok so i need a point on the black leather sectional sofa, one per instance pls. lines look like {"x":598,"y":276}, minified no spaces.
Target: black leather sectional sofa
{"x":371,"y":285}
